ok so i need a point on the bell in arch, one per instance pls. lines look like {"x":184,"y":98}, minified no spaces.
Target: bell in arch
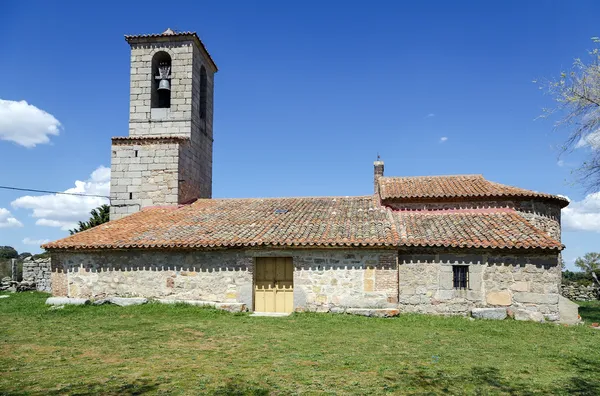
{"x":164,"y":85}
{"x":164,"y":75}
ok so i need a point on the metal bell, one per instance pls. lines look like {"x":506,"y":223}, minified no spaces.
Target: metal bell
{"x":164,"y":85}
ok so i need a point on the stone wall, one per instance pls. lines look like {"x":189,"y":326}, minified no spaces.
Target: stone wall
{"x":543,"y":215}
{"x":37,"y":272}
{"x":223,"y":276}
{"x":143,"y":173}
{"x":157,"y":170}
{"x":518,"y":281}
{"x":580,"y":292}
{"x":322,"y":278}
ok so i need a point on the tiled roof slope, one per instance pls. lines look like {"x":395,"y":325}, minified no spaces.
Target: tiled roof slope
{"x":350,"y":221}
{"x":453,"y":187}
{"x":314,"y":222}
{"x":470,"y":229}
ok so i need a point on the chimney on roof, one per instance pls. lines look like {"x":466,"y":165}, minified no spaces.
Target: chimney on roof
{"x":378,"y":172}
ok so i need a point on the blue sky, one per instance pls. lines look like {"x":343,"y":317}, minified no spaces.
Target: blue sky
{"x":306,"y":96}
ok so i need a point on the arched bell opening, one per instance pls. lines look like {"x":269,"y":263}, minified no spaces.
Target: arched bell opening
{"x":161,"y":80}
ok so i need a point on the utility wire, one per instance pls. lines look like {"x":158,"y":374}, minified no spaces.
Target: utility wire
{"x":53,"y":192}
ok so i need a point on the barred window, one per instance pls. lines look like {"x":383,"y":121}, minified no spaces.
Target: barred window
{"x":461,"y":276}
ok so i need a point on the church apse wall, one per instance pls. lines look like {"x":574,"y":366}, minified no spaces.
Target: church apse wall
{"x":427,"y":282}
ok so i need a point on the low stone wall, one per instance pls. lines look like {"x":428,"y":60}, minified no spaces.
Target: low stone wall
{"x":580,"y":292}
{"x":37,"y":272}
{"x":518,"y":281}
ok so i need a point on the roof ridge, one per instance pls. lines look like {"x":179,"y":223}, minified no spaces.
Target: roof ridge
{"x":469,"y":211}
{"x":297,"y":197}
{"x":478,"y":175}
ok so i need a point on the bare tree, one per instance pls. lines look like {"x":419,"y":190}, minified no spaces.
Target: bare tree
{"x":590,"y":264}
{"x":577,"y":94}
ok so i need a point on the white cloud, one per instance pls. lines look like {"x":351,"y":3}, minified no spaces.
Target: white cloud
{"x":430,"y":115}
{"x":583,"y":215}
{"x":65,"y":211}
{"x":35,"y":242}
{"x":592,"y":140}
{"x":7,"y":220}
{"x":25,"y":124}
{"x":443,"y":139}
{"x":560,"y":163}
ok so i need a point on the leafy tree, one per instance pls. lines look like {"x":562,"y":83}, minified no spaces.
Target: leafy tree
{"x":580,"y":278}
{"x":24,"y":255}
{"x":99,"y":216}
{"x":8,"y":252}
{"x":589,"y":263}
{"x":577,"y":93}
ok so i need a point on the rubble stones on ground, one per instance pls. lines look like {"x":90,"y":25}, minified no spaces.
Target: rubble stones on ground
{"x":67,"y":301}
{"x":25,"y":286}
{"x":524,"y":314}
{"x":128,"y":301}
{"x":197,"y":303}
{"x":489,"y":313}
{"x":377,"y":313}
{"x":231,"y":307}
{"x":121,"y":301}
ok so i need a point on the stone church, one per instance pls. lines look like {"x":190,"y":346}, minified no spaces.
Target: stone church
{"x":432,"y":244}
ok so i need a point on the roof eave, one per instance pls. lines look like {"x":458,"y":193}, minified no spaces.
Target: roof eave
{"x":183,"y":36}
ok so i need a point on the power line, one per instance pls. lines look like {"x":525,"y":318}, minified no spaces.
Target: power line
{"x":53,"y":192}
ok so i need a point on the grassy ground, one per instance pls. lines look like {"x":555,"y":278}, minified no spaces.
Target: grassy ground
{"x":590,"y":311}
{"x":162,"y":349}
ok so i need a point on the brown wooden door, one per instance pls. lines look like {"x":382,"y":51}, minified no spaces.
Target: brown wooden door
{"x":274,"y":285}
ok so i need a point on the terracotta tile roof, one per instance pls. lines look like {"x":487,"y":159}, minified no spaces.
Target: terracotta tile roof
{"x":309,"y":222}
{"x":350,"y":221}
{"x":470,"y":229}
{"x":169,"y":33}
{"x":449,"y":187}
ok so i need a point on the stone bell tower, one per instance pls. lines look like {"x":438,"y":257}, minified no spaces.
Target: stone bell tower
{"x":167,"y":157}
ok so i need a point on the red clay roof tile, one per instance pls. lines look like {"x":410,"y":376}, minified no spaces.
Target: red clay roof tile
{"x":306,"y":222}
{"x":453,"y":187}
{"x":470,"y":229}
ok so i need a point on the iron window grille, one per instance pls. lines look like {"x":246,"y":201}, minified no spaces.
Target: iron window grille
{"x":461,"y":276}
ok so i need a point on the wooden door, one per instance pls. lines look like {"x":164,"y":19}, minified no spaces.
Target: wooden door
{"x":274,"y":285}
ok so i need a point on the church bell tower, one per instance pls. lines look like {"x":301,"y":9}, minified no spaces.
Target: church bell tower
{"x":167,"y":157}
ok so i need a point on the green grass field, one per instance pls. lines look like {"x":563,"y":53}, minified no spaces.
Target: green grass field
{"x":162,"y":349}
